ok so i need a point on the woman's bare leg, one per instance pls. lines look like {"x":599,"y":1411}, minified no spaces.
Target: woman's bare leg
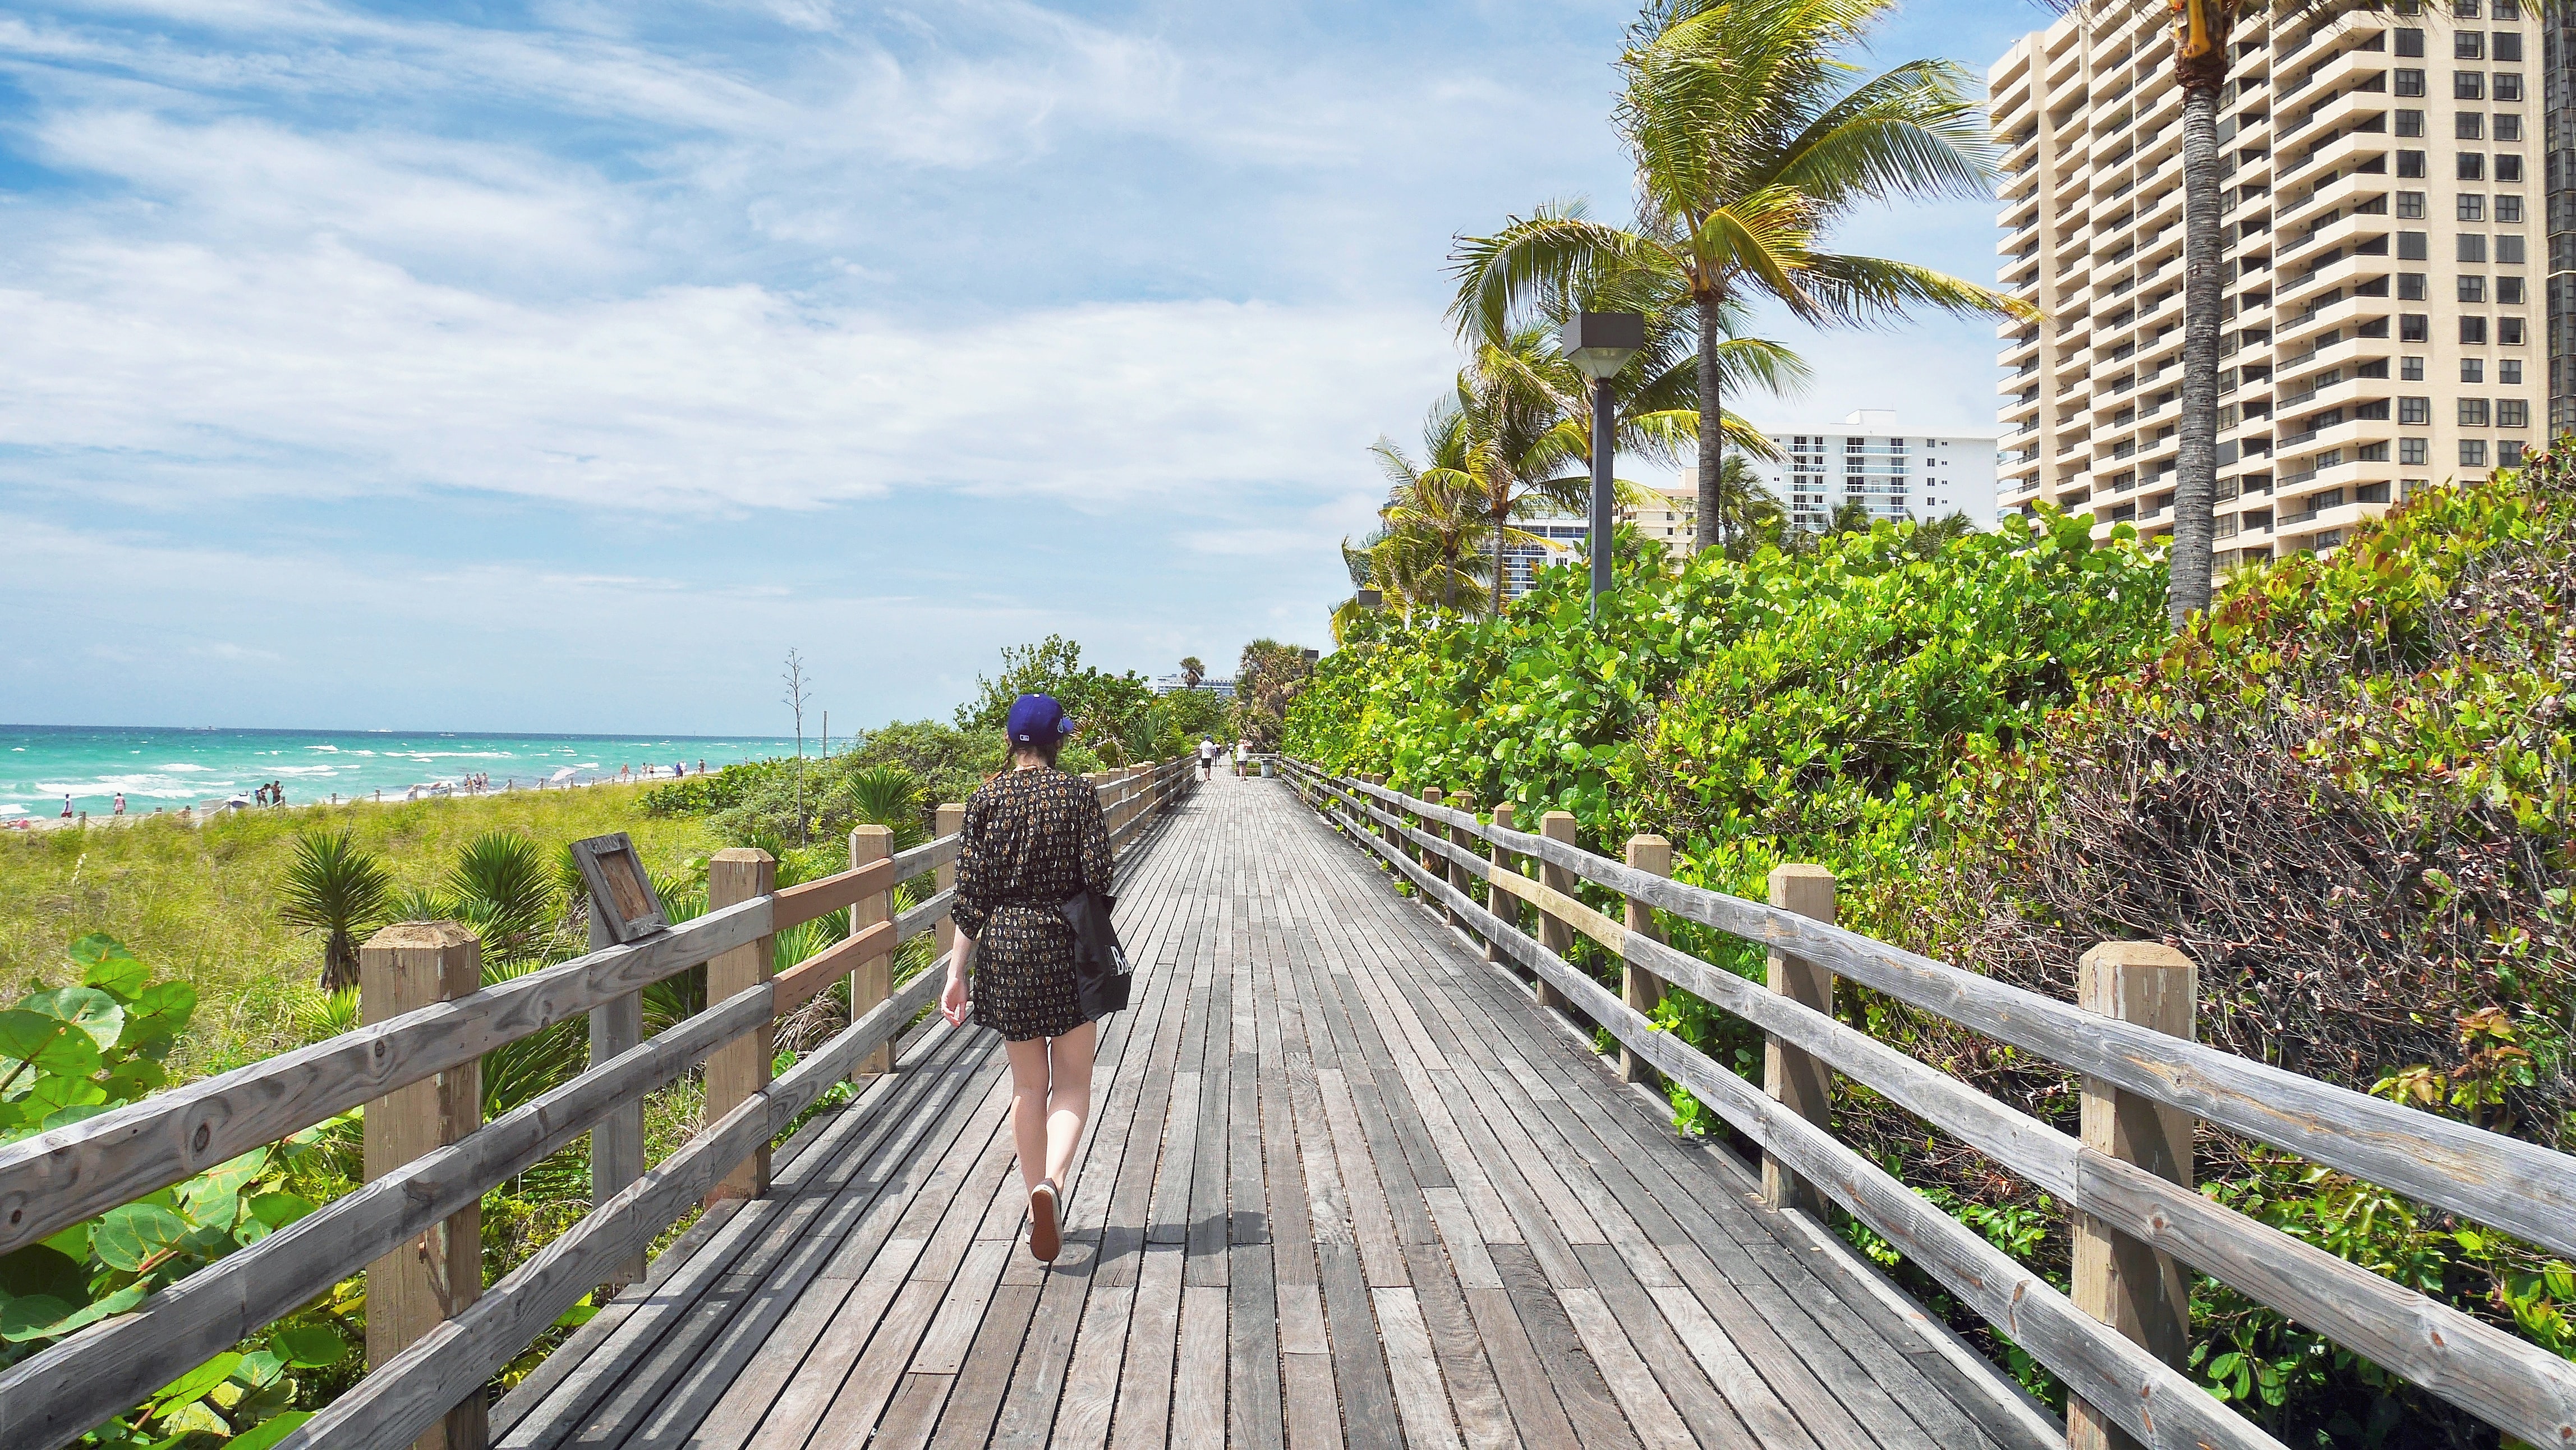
{"x":1068,"y":1095}
{"x":1029,"y":1106}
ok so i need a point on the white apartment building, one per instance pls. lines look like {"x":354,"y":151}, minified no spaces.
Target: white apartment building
{"x":1894,"y":475}
{"x":2384,"y":266}
{"x":1670,"y":517}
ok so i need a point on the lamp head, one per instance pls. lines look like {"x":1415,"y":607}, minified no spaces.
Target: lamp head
{"x":1600,"y":343}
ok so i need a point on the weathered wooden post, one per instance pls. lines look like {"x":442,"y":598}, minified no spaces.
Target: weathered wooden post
{"x":1433,"y":863}
{"x":2127,"y":1285}
{"x":1639,"y":988}
{"x":740,"y":1068}
{"x":1553,"y":933}
{"x":617,"y":1140}
{"x":948,"y":821}
{"x":1793,"y":1078}
{"x":1462,"y":879}
{"x":434,"y":1277}
{"x":1498,"y":901}
{"x":1386,"y":833}
{"x":871,"y":981}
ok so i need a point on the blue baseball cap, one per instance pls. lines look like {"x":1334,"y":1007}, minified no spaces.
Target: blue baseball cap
{"x":1037,"y":718}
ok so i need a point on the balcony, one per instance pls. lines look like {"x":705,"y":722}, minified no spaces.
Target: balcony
{"x":2350,"y":317}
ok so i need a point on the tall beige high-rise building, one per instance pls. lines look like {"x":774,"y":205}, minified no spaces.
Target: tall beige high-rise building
{"x":2385,"y":265}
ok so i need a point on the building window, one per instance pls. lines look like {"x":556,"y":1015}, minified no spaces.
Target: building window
{"x":2407,"y":82}
{"x":2414,"y":327}
{"x":2508,"y":128}
{"x":2473,"y":453}
{"x":2509,"y":250}
{"x":2509,"y":372}
{"x":2472,"y":166}
{"x":2410,"y":204}
{"x":2473,"y":289}
{"x":2472,"y":247}
{"x":2508,"y":87}
{"x":2410,"y":369}
{"x":2509,"y":331}
{"x":2508,"y":46}
{"x":2473,"y":332}
{"x":2505,"y":10}
{"x":2512,"y":413}
{"x":2464,"y":9}
{"x":2410,"y":167}
{"x":2410,"y":123}
{"x":2508,"y":454}
{"x":2473,"y":412}
{"x":2415,"y":412}
{"x":2413,"y":287}
{"x":2509,"y":292}
{"x":2414,"y":451}
{"x":2410,"y":42}
{"x":2468,"y":85}
{"x":2468,"y":45}
{"x":2472,"y":207}
{"x":2508,"y":169}
{"x":2371,"y":453}
{"x":2415,"y":246}
{"x":2509,"y":209}
{"x":2469,"y":126}
{"x":2473,"y":370}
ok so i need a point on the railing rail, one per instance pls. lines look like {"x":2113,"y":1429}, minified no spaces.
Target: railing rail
{"x":70,"y":1174}
{"x":2521,"y":1187}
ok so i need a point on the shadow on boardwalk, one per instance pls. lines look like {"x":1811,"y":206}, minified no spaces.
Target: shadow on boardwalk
{"x":1344,"y":1185}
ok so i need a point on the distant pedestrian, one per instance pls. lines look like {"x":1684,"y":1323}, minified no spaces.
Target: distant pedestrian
{"x":1207,"y":758}
{"x":67,"y":808}
{"x":702,"y":765}
{"x":277,"y":792}
{"x":120,"y":803}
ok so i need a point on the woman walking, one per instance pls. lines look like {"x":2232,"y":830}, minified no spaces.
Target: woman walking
{"x":1034,"y":839}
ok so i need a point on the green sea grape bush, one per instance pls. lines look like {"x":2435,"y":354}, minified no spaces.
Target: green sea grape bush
{"x":69,"y":1053}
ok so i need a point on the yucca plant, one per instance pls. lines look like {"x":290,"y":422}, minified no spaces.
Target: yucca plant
{"x":503,"y":886}
{"x":339,"y":890}
{"x":889,"y":796}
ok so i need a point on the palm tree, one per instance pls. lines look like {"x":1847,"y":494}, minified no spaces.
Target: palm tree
{"x":1749,"y":143}
{"x":334,"y":888}
{"x":1751,"y":509}
{"x":1435,"y":524}
{"x":1193,"y":670}
{"x":1530,"y":412}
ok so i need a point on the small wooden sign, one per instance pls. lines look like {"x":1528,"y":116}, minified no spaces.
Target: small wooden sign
{"x":621,"y":895}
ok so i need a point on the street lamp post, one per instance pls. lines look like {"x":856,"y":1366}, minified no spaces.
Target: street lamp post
{"x":1599,"y":344}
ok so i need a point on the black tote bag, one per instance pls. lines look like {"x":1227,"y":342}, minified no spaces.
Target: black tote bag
{"x":1099,"y":963}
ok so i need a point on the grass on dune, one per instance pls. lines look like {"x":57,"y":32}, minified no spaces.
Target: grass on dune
{"x":201,"y":902}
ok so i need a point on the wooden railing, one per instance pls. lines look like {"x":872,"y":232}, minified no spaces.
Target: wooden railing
{"x":435,"y":1335}
{"x":2117,"y":1344}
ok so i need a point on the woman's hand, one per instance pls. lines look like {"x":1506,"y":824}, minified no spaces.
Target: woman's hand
{"x":956,"y":997}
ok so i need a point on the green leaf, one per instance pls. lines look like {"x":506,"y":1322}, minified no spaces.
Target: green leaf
{"x":109,"y":1307}
{"x":120,"y":975}
{"x":167,"y":1003}
{"x":52,"y":1095}
{"x":310,"y":1346}
{"x":129,"y":1237}
{"x":195,"y":1418}
{"x":48,"y":1042}
{"x":269,"y":1432}
{"x":43,"y":1269}
{"x":65,"y":1117}
{"x":192,"y":1386}
{"x":260,"y":1368}
{"x":277,"y":1210}
{"x":32,"y":1317}
{"x":98,"y":947}
{"x":87,"y":1008}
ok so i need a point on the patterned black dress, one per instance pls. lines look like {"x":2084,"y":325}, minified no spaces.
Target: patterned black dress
{"x":1033,"y":839}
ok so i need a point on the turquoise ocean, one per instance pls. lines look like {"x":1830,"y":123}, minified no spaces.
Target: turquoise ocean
{"x":40,"y":764}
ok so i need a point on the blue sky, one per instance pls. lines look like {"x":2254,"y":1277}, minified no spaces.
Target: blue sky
{"x":560,"y":366}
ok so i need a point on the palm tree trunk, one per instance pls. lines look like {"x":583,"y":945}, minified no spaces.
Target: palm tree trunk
{"x":1712,"y":432}
{"x":1502,"y":518}
{"x":2196,"y":458}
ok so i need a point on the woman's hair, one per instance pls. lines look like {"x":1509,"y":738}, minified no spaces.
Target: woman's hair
{"x":1045,"y":750}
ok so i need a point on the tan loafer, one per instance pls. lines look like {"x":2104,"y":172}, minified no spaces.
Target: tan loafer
{"x":1045,"y":1239}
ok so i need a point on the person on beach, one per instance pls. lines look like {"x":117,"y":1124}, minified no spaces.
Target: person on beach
{"x":120,"y":804}
{"x":67,"y":807}
{"x":1034,"y":838}
{"x":1207,"y":758}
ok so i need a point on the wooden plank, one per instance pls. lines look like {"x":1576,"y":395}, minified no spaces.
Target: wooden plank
{"x":1143,"y":1416}
{"x":1754,"y":1401}
{"x":1658,"y":1426}
{"x":1091,"y":1383}
{"x":1421,"y":1398}
{"x":984,"y":1375}
{"x":1484,"y":1420}
{"x":1199,"y":1373}
{"x":853,"y":1412}
{"x":913,"y":1411}
{"x":1660,"y":1352}
{"x":1314,"y":1415}
{"x":801,"y":903}
{"x":1579,"y":1387}
{"x":1252,"y":1350}
{"x":810,"y":978}
{"x":1524,"y":1382}
{"x":61,"y":1177}
{"x":1359,"y":1367}
{"x":739,"y":1071}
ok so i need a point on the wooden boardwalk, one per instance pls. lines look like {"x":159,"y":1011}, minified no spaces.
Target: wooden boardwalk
{"x":1344,"y":1184}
